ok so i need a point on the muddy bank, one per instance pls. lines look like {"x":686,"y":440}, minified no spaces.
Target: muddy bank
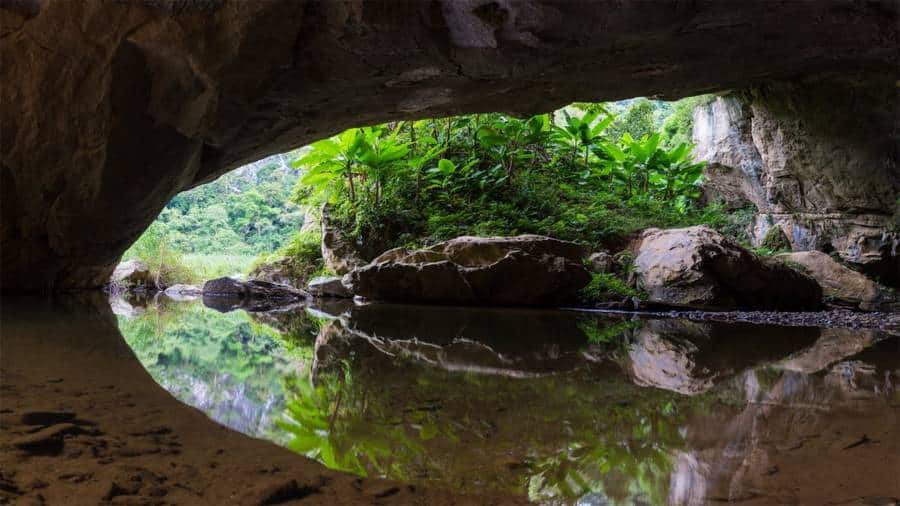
{"x":83,"y":423}
{"x":830,"y":319}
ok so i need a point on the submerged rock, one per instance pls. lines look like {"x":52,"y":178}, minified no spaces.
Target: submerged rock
{"x":527,"y":270}
{"x":843,"y":285}
{"x":699,"y":267}
{"x":328,"y":287}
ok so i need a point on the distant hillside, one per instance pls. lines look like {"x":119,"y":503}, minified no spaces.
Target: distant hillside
{"x":244,"y":212}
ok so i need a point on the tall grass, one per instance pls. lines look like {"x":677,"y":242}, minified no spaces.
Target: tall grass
{"x":211,"y":266}
{"x":169,"y":266}
{"x":166,"y":265}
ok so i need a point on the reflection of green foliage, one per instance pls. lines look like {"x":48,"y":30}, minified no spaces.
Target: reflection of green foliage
{"x":625,"y":454}
{"x":227,"y":359}
{"x":602,"y":332}
{"x":558,"y":437}
{"x":330,"y":422}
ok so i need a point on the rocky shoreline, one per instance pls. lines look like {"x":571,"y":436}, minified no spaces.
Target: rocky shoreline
{"x":834,"y":318}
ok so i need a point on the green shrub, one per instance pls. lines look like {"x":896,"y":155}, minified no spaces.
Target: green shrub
{"x":775,"y":240}
{"x":607,"y":287}
{"x":167,"y":266}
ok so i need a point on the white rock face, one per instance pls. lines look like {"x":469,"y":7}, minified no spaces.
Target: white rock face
{"x":807,"y":166}
{"x":722,"y":134}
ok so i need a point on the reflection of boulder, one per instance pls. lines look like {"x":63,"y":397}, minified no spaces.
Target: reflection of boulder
{"x":688,"y":481}
{"x":510,"y":342}
{"x":699,"y":267}
{"x":668,"y":364}
{"x":252,"y":305}
{"x":834,"y":345}
{"x":330,"y":307}
{"x":859,"y":379}
{"x":526,"y":270}
{"x":690,"y":357}
{"x":122,"y":307}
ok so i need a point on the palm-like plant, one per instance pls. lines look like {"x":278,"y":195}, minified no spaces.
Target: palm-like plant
{"x":580,"y":135}
{"x":378,"y":155}
{"x":330,"y":160}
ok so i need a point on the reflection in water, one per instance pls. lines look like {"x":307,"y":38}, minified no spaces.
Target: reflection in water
{"x":561,"y":406}
{"x":226,"y":365}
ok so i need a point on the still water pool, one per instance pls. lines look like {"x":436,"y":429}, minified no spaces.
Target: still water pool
{"x":562,"y":407}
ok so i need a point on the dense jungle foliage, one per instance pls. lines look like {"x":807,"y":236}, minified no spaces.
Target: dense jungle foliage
{"x":593,"y":173}
{"x":218,"y":228}
{"x":583,"y":174}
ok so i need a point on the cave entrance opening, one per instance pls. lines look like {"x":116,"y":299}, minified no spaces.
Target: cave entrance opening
{"x":611,"y":168}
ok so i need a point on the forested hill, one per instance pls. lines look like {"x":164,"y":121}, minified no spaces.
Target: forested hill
{"x":244,"y":212}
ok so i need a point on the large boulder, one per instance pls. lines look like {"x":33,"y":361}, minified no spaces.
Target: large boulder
{"x":700,"y":268}
{"x":338,"y":252}
{"x":283,"y":271}
{"x":842,"y":285}
{"x":133,"y":273}
{"x":600,"y":262}
{"x":253,"y":289}
{"x":527,"y":270}
{"x":330,"y":286}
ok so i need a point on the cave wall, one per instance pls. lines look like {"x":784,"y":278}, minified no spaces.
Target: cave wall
{"x":111,"y":108}
{"x":817,"y":158}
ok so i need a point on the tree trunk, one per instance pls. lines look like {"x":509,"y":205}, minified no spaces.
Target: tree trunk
{"x":350,"y":181}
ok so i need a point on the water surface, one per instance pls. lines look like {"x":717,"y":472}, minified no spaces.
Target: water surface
{"x":561,"y":407}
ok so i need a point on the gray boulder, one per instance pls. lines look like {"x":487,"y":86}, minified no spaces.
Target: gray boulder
{"x":328,"y":287}
{"x":698,"y":267}
{"x":181,"y":292}
{"x":842,"y":285}
{"x":526,"y":270}
{"x":253,"y":289}
{"x":133,"y":273}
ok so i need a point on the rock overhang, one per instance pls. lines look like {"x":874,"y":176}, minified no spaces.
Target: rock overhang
{"x":110,"y":109}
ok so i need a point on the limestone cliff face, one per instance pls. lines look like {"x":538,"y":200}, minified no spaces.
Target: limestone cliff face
{"x":818,"y":159}
{"x":111,"y":108}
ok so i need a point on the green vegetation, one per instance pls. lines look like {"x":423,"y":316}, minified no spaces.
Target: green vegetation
{"x":594,"y":173}
{"x":167,"y":266}
{"x":775,"y":241}
{"x":606,"y":287}
{"x":218,"y":228}
{"x":585,"y":176}
{"x":245,"y":212}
